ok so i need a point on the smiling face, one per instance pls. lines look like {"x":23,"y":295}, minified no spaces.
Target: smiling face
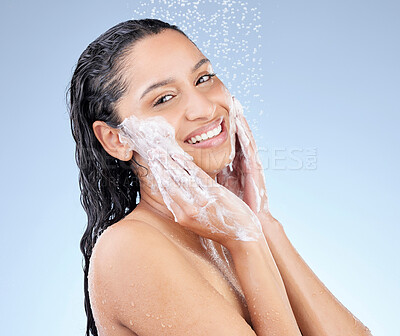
{"x":169,"y":77}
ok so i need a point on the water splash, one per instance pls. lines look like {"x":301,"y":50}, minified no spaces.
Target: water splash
{"x":227,"y":32}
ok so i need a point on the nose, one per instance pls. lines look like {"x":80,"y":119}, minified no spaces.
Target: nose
{"x":199,"y":106}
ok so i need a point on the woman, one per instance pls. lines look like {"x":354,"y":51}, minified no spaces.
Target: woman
{"x":200,"y":254}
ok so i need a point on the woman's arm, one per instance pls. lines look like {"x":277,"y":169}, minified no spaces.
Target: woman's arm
{"x":317,"y":311}
{"x":267,"y":301}
{"x":219,"y":215}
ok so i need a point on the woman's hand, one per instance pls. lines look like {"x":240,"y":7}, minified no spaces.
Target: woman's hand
{"x":199,"y":203}
{"x":194,"y":198}
{"x":246,"y":180}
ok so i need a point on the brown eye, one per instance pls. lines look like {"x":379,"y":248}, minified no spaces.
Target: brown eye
{"x":209,"y":77}
{"x":161,"y":100}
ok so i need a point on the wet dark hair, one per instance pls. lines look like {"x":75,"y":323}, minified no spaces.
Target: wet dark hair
{"x":109,"y":187}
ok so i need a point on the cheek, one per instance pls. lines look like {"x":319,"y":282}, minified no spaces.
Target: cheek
{"x":222,"y":94}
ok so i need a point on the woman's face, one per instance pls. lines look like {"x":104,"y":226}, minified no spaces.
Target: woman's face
{"x":185,"y":94}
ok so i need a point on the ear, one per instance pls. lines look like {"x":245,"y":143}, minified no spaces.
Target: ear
{"x":109,"y":139}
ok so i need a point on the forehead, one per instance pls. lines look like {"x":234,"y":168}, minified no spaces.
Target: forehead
{"x":167,"y":41}
{"x":168,"y":53}
{"x":162,"y":52}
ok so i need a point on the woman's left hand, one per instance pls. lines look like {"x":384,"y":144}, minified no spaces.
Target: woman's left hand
{"x":246,"y":180}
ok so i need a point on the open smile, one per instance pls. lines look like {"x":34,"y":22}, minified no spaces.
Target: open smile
{"x":215,"y":136}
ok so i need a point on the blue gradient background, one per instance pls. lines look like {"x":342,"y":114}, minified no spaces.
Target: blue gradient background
{"x":330,"y":82}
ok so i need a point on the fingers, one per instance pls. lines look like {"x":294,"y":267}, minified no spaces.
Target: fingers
{"x":203,"y":180}
{"x":241,"y":120}
{"x":242,"y":128}
{"x":244,"y":133}
{"x":178,"y":199}
{"x":182,"y":185}
{"x":247,"y":141}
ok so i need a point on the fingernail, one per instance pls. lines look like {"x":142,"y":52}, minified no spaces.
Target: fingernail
{"x":176,"y":156}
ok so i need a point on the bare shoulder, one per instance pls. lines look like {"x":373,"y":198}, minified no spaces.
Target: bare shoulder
{"x":122,"y":237}
{"x":123,"y":242}
{"x":151,"y":288}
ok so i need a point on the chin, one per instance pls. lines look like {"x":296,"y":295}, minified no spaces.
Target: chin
{"x":213,"y":161}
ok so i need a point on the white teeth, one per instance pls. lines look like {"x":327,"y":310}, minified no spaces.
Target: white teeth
{"x":205,"y":136}
{"x":217,"y":130}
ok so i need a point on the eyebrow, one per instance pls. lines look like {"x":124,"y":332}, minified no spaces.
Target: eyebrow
{"x":170,"y":80}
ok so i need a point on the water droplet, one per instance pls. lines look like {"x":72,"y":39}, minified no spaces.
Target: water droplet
{"x":147,"y":314}
{"x":113,"y":328}
{"x":130,"y":322}
{"x":223,"y":20}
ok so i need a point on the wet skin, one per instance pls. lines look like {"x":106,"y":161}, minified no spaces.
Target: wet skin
{"x":194,"y":99}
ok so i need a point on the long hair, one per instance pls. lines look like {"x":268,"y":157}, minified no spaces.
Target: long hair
{"x":109,"y":187}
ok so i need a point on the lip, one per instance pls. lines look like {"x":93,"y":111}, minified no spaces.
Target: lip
{"x":205,"y":129}
{"x":216,"y":141}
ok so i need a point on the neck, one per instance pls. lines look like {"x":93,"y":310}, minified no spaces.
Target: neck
{"x":153,"y":201}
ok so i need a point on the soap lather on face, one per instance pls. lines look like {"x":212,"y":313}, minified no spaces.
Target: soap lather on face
{"x":144,"y":136}
{"x":154,"y":139}
{"x":186,"y":93}
{"x":154,"y":136}
{"x":186,"y":99}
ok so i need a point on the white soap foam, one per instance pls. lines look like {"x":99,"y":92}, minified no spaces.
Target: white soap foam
{"x":245,"y":145}
{"x":154,"y":139}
